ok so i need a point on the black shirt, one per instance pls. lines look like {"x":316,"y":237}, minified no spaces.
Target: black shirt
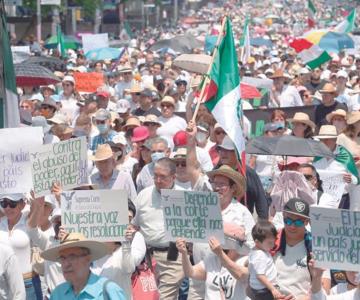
{"x":152,"y":111}
{"x":321,"y":111}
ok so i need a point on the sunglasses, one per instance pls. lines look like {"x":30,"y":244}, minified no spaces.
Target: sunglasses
{"x":308,"y":177}
{"x":151,"y":124}
{"x":166,"y":105}
{"x":220,"y":132}
{"x":10,"y":203}
{"x":137,"y":94}
{"x":181,"y":164}
{"x":296,"y":223}
{"x":46,"y":107}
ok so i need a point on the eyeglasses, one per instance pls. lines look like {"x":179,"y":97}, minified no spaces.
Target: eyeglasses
{"x":166,"y":105}
{"x":308,"y":177}
{"x":296,"y":223}
{"x":137,"y":94}
{"x":45,"y":107}
{"x":181,"y":164}
{"x":10,"y":203}
{"x":220,"y":132}
{"x":219,"y":185}
{"x":151,"y":124}
{"x":70,"y":258}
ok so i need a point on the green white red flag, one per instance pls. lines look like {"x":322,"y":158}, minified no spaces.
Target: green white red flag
{"x":348,"y":24}
{"x":311,"y":14}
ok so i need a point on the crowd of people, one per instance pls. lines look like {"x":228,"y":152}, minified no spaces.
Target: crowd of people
{"x":143,"y":136}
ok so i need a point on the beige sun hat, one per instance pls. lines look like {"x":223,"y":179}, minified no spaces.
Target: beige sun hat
{"x":179,"y":154}
{"x":327,"y":132}
{"x":353,"y":117}
{"x":338,"y":112}
{"x":328,"y":88}
{"x":151,"y":119}
{"x":303,"y":118}
{"x":235,"y":176}
{"x":169,"y":100}
{"x":132,"y":121}
{"x":103,"y":152}
{"x":76,"y":240}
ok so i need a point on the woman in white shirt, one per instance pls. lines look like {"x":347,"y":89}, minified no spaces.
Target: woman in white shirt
{"x":15,"y":232}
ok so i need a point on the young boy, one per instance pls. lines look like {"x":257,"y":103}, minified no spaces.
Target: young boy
{"x":262,"y":271}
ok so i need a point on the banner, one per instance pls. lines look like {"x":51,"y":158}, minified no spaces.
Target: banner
{"x":15,"y":166}
{"x":94,"y":41}
{"x":100,"y":215}
{"x":336,"y":238}
{"x":195,"y":216}
{"x":88,"y":82}
{"x":64,"y":162}
{"x":333,"y":184}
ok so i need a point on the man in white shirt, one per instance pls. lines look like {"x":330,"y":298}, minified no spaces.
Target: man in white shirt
{"x":126,"y":73}
{"x":283,"y":95}
{"x":150,"y":219}
{"x":11,"y":280}
{"x":344,"y":93}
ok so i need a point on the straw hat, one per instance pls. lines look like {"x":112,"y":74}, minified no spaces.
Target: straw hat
{"x":136,"y":88}
{"x":303,"y":118}
{"x":327,"y":132}
{"x":75,"y":240}
{"x":353,"y":117}
{"x":235,"y":176}
{"x":180,"y":154}
{"x":152,"y":119}
{"x":103,"y":152}
{"x":169,"y":100}
{"x":338,"y":112}
{"x":132,"y":121}
{"x":328,"y":88}
{"x":278,"y":74}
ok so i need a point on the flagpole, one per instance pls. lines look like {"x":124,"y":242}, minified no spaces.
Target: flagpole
{"x":206,"y":80}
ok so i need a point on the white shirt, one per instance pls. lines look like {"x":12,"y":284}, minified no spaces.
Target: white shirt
{"x":19,"y":240}
{"x":350,"y":295}
{"x":170,"y":126}
{"x":219,"y":278}
{"x":120,"y":265}
{"x":204,"y":159}
{"x":351,"y":101}
{"x":69,"y":108}
{"x":293,"y":274}
{"x":145,"y":177}
{"x":261,"y":263}
{"x":289,"y":97}
{"x":149,"y":216}
{"x":120,"y":87}
{"x":11,"y":280}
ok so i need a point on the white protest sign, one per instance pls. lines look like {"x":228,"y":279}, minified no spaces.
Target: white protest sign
{"x":98,"y":214}
{"x":333,"y":183}
{"x":94,"y":41}
{"x":64,"y":162}
{"x":50,"y":2}
{"x":195,"y":216}
{"x":15,"y":166}
{"x":336,"y":238}
{"x":258,"y":82}
{"x":24,"y":49}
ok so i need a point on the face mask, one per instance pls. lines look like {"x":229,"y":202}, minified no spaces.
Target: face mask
{"x":201,"y":137}
{"x":339,"y":125}
{"x":156,"y":156}
{"x":357,"y":279}
{"x":103,"y":128}
{"x":128,"y":97}
{"x":280,"y":123}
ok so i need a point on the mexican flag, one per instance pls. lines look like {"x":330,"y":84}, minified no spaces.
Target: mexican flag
{"x":311,"y":54}
{"x":9,"y":106}
{"x":245,"y":43}
{"x":60,"y":40}
{"x":222,"y":94}
{"x":126,"y":33}
{"x":311,"y":14}
{"x":348,"y":24}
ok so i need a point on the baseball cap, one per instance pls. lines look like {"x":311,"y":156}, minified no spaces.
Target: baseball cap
{"x":227,"y":144}
{"x":146,"y":92}
{"x":297,"y":206}
{"x":342,"y":73}
{"x":13,"y":197}
{"x":102,"y":115}
{"x":180,"y":138}
{"x":122,"y":106}
{"x":69,"y":79}
{"x":103,"y":94}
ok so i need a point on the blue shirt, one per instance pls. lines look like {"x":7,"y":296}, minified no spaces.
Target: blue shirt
{"x":102,"y":139}
{"x":92,"y":290}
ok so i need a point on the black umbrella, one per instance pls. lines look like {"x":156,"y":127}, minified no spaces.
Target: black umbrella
{"x":34,"y":75}
{"x":52,"y":63}
{"x":287,"y":145}
{"x":181,"y":44}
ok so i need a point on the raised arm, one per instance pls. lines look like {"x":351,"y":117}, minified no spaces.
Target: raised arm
{"x":192,"y":164}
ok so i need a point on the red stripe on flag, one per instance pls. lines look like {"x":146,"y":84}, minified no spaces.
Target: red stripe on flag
{"x":249,"y":91}
{"x":300,"y":44}
{"x":210,"y":91}
{"x":311,"y":23}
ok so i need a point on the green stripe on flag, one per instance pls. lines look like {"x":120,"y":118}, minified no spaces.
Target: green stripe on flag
{"x":323,"y":58}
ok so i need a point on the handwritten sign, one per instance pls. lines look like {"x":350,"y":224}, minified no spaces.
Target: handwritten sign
{"x":64,"y":162}
{"x":94,"y":41}
{"x":195,"y":216}
{"x":332,"y":184}
{"x":336,"y":238}
{"x":15,"y":166}
{"x":99,"y":214}
{"x":88,"y":82}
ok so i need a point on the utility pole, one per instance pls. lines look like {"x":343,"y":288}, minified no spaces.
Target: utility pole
{"x":38,"y":19}
{"x":176,"y":9}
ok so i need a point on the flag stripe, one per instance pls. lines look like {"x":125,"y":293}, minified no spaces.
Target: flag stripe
{"x":348,"y":24}
{"x":323,"y":58}
{"x":300,"y":44}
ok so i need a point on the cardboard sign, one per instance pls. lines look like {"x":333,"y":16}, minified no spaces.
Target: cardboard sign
{"x":94,"y":41}
{"x":99,"y":214}
{"x":336,"y":238}
{"x":64,"y":162}
{"x":88,"y":82}
{"x":195,"y":216}
{"x":333,"y":184}
{"x":15,"y":166}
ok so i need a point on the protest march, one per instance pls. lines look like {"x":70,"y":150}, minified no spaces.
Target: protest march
{"x":214,"y":155}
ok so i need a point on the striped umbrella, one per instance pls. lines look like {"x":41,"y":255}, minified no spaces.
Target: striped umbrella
{"x":34,"y":75}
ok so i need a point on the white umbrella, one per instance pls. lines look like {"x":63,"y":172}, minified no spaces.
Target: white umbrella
{"x":197,"y":63}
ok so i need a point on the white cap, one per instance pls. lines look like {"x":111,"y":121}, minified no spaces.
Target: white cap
{"x":227,"y":144}
{"x":269,"y":71}
{"x":69,"y":78}
{"x":119,"y":139}
{"x":342,"y":73}
{"x":59,"y":119}
{"x":274,"y":60}
{"x":37,"y":96}
{"x":122,"y":106}
{"x":304,"y":71}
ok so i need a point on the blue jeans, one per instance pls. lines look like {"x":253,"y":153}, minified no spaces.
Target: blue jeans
{"x":33,"y":288}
